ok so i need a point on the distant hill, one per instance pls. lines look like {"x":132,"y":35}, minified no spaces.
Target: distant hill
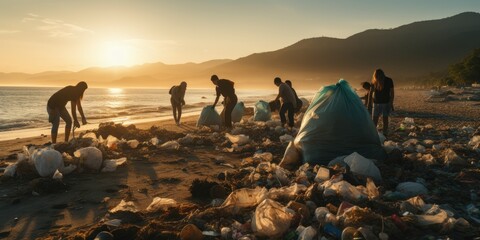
{"x":404,"y":53}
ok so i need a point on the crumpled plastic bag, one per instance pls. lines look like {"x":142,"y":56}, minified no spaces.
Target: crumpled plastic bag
{"x":125,"y":206}
{"x":161,"y":204}
{"x":110,"y":165}
{"x":291,"y":157}
{"x":245,"y":197}
{"x":112,"y":142}
{"x":289,"y":192}
{"x":133,"y":143}
{"x":362,"y":166}
{"x":47,"y":161}
{"x":271,"y":219}
{"x":91,"y":157}
{"x":172,"y":145}
{"x":238,"y":139}
{"x":412,"y":189}
{"x":261,"y":111}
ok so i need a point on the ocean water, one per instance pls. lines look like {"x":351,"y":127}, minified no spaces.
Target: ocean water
{"x":24,"y":108}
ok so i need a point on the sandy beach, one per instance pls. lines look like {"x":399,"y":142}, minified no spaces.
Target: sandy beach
{"x":153,"y":172}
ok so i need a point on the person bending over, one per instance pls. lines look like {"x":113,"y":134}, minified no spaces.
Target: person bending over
{"x":177,"y":100}
{"x":225,"y":88}
{"x":367,"y":98}
{"x":56,"y":108}
{"x":289,"y":102}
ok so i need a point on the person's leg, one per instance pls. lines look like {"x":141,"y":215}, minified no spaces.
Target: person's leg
{"x":174,"y":109}
{"x":376,"y":114}
{"x":291,"y":113}
{"x":68,"y":122}
{"x":179,"y":107}
{"x":229,"y":106}
{"x":282,"y":111}
{"x":386,"y":114}
{"x":54,"y":118}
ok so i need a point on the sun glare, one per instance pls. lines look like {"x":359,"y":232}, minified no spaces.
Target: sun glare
{"x":116,"y":54}
{"x":115,"y":91}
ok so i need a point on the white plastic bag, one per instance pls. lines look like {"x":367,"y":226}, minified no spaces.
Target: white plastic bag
{"x":363,"y":166}
{"x":91,"y":157}
{"x":110,"y":165}
{"x":125,"y":206}
{"x":238,"y":139}
{"x":133,"y":143}
{"x":289,"y":192}
{"x":245,"y":197}
{"x":161,"y":204}
{"x":172,"y":145}
{"x":343,"y":189}
{"x":47,"y":161}
{"x":112,"y":142}
{"x":10,"y":170}
{"x":271,"y":219}
{"x":291,"y":157}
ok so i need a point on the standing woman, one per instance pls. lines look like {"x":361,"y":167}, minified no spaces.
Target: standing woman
{"x":56,"y":108}
{"x":226,"y":89}
{"x":177,"y":100}
{"x":382,"y":94}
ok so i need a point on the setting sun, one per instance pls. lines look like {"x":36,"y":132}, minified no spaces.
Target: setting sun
{"x":117,"y":54}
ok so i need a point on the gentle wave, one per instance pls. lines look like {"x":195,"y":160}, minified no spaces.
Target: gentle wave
{"x":24,"y":107}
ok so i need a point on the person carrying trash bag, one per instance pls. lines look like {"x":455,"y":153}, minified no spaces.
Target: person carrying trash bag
{"x":225,"y":88}
{"x":288,"y":102}
{"x":177,"y":100}
{"x":56,"y":108}
{"x":335,"y":124}
{"x":299,"y":102}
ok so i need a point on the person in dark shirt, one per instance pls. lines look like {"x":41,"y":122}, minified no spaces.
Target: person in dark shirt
{"x":299,"y":102}
{"x":177,"y":100}
{"x":367,"y":98}
{"x":56,"y":108}
{"x":225,"y":88}
{"x":382,"y":94}
{"x":288,"y":102}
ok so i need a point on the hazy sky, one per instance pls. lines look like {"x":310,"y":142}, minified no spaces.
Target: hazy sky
{"x":71,"y":35}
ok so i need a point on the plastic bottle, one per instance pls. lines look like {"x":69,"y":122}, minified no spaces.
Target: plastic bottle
{"x":333,"y":231}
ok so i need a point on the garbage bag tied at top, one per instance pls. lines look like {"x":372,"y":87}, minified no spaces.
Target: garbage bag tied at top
{"x":337,"y":123}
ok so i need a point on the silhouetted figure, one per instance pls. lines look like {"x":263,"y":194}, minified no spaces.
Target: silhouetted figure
{"x":56,"y":108}
{"x":288,"y":102}
{"x":299,"y":102}
{"x":382,"y":94}
{"x":177,"y":100}
{"x":226,"y":89}
{"x":367,"y":98}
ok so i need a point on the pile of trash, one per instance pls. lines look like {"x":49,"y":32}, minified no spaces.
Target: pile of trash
{"x":426,"y":188}
{"x":452,"y":94}
{"x":102,"y":150}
